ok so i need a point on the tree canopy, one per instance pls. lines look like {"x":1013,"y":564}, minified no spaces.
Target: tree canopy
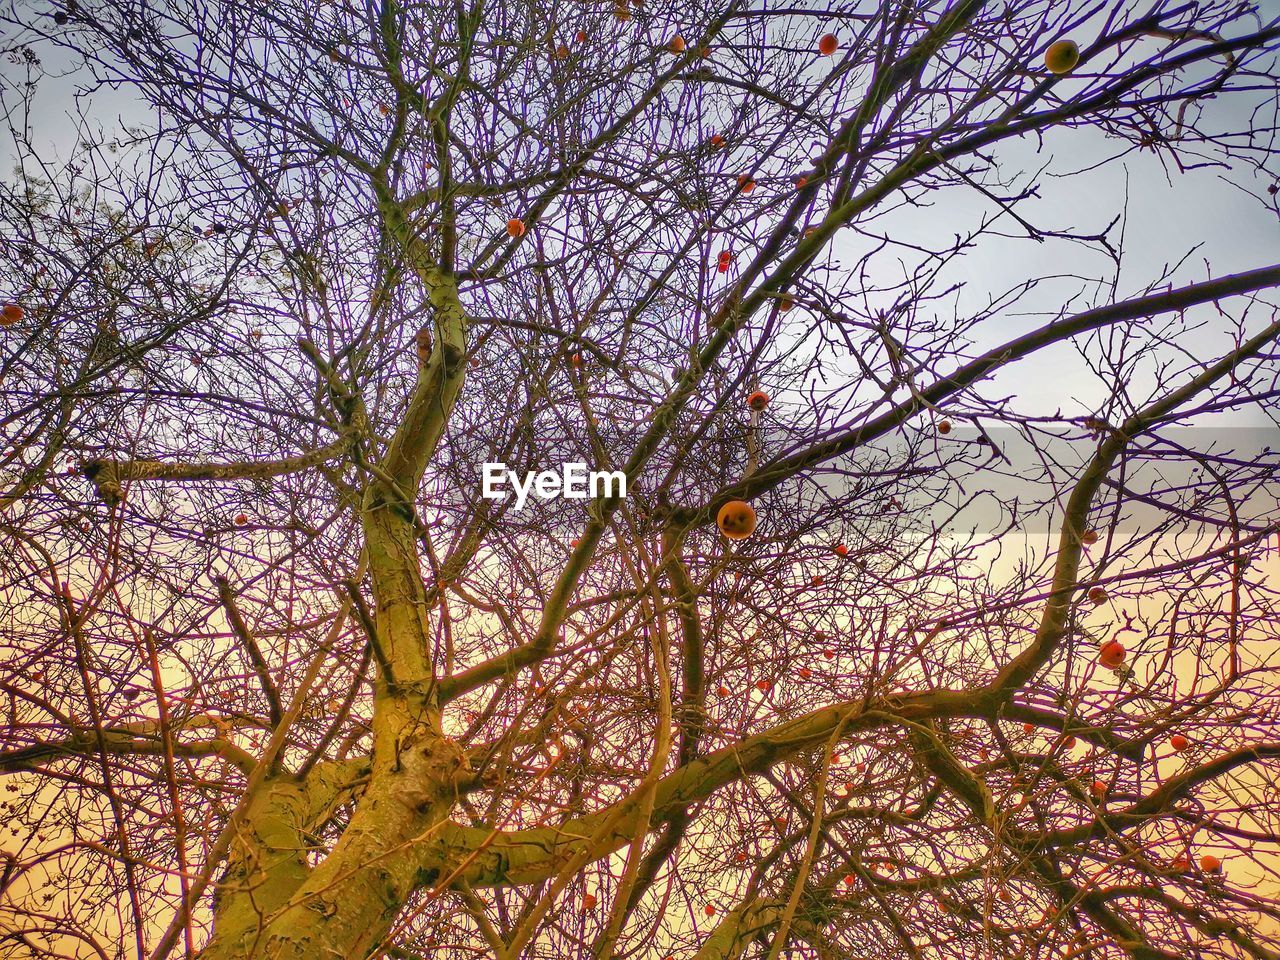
{"x":939,"y":617}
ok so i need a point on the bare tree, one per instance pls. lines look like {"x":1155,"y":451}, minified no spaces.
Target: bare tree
{"x":969,"y":678}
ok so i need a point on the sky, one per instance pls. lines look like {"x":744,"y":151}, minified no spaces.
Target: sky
{"x":1169,"y":216}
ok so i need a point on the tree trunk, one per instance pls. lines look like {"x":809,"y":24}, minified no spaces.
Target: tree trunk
{"x":347,"y":904}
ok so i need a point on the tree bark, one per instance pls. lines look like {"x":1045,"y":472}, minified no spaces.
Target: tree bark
{"x":347,"y":904}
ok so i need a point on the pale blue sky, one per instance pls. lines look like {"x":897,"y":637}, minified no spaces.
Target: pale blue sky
{"x":1170,"y":215}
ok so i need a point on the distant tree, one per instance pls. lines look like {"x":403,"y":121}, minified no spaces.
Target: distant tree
{"x":278,"y":682}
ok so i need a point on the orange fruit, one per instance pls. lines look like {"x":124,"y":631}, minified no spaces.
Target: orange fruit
{"x":1097,"y":595}
{"x":1089,"y":537}
{"x":676,"y":44}
{"x":1112,"y":654}
{"x":11,"y":314}
{"x":241,"y":519}
{"x":736,"y":519}
{"x":515,"y":227}
{"x":745,"y":183}
{"x":840,"y":550}
{"x":1210,"y":864}
{"x":1179,"y":742}
{"x":944,"y":427}
{"x":1062,"y":56}
{"x":758,"y":400}
{"x":828,"y":44}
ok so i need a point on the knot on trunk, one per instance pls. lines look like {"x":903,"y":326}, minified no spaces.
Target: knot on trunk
{"x":435,"y":770}
{"x":422,"y":344}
